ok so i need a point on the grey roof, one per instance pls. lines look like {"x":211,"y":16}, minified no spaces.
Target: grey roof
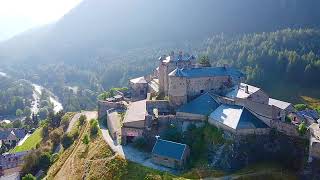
{"x":206,"y":72}
{"x":139,"y":80}
{"x":280,"y":104}
{"x":169,"y":149}
{"x":240,"y":91}
{"x":236,"y":117}
{"x":202,"y":105}
{"x":19,"y":133}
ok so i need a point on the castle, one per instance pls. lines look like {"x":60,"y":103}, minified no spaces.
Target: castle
{"x":183,"y":92}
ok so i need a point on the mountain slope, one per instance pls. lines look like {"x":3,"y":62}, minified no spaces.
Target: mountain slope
{"x":112,"y":27}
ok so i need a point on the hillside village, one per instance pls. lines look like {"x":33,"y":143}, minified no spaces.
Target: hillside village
{"x":183,"y":113}
{"x":180,"y":92}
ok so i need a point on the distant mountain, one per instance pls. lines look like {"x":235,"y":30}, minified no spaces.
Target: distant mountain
{"x":98,"y":27}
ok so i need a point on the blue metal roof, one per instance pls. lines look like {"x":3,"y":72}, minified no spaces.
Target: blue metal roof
{"x":202,"y":105}
{"x":169,"y":149}
{"x":310,"y":113}
{"x":207,"y":72}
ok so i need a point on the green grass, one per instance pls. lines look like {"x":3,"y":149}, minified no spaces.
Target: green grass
{"x":31,"y":142}
{"x":136,"y":171}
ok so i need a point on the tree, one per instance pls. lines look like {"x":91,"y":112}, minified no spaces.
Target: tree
{"x":27,"y":111}
{"x":56,"y":135}
{"x":45,"y":160}
{"x":94,"y":127}
{"x":86,"y":139}
{"x":19,"y":113}
{"x":82,"y":119}
{"x":29,"y":177}
{"x":43,"y":113}
{"x":67,"y":141}
{"x":204,"y":61}
{"x":17,"y":124}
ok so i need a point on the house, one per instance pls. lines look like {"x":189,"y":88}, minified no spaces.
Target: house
{"x":170,"y":154}
{"x":238,"y":120}
{"x":198,"y":109}
{"x":11,"y":136}
{"x":139,"y":87}
{"x":11,"y":163}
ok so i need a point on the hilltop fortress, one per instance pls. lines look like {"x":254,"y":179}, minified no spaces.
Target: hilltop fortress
{"x":181,"y":92}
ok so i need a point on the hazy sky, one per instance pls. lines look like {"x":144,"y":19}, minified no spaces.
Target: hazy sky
{"x":17,"y":16}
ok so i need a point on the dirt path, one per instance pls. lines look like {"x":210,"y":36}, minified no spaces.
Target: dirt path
{"x":61,"y":175}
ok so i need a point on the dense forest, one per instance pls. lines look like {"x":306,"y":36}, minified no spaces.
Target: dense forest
{"x":15,"y":97}
{"x":289,"y":56}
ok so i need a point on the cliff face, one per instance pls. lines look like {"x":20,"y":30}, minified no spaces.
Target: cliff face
{"x":288,"y":151}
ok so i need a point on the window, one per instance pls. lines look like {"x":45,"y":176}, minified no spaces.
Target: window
{"x":201,"y":91}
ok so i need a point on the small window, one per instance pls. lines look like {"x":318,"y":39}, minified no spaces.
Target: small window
{"x":201,"y":91}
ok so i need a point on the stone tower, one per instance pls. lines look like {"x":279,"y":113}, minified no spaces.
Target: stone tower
{"x":177,"y":88}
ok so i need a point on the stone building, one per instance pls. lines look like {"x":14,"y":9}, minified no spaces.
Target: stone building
{"x":170,"y":154}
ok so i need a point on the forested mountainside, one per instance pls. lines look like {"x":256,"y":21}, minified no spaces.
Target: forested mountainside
{"x":108,"y":27}
{"x":100,"y":44}
{"x":15,"y":97}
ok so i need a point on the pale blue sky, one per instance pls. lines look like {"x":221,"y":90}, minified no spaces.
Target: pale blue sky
{"x":17,"y":16}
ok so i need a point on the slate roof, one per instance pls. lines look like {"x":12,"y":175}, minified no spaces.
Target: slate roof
{"x":236,"y":117}
{"x":202,"y":105}
{"x":19,"y":133}
{"x":206,"y":72}
{"x":309,"y":113}
{"x":169,"y":149}
{"x":240,"y":91}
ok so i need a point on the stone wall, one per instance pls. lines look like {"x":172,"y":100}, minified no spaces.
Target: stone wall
{"x":177,"y":91}
{"x":104,"y":106}
{"x":197,"y":86}
{"x":286,"y":128}
{"x":189,"y":116}
{"x":315,"y":150}
{"x":163,"y":106}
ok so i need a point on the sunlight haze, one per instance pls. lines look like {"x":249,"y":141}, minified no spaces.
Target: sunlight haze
{"x":17,"y":16}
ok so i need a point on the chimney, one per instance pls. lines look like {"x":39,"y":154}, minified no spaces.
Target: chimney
{"x":247,"y":89}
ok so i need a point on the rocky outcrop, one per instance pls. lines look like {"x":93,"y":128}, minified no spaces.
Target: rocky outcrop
{"x":239,"y":152}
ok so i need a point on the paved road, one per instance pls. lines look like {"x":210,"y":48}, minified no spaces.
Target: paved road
{"x":132,"y":154}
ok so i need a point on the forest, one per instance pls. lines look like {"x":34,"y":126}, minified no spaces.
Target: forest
{"x":15,"y":97}
{"x":288,"y":56}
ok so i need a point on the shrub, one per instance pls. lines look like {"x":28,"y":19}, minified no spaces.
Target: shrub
{"x":94,"y":127}
{"x":55,"y":136}
{"x":140,"y":143}
{"x":301,"y":107}
{"x":54,"y":157}
{"x":29,"y":177}
{"x":86,"y":139}
{"x":82,"y":119}
{"x":67,"y":141}
{"x":302,"y":129}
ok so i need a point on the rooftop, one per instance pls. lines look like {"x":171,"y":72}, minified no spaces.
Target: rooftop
{"x":206,"y":72}
{"x":240,"y":91}
{"x":203,"y":105}
{"x":309,"y":113}
{"x":139,"y":80}
{"x":236,"y":117}
{"x":280,"y":104}
{"x":179,"y":57}
{"x":169,"y":149}
{"x":136,"y":112}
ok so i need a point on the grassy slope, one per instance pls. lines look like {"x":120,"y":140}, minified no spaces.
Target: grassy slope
{"x":97,"y":161}
{"x":31,"y":142}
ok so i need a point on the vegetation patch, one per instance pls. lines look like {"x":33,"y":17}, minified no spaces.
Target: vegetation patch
{"x":31,"y":142}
